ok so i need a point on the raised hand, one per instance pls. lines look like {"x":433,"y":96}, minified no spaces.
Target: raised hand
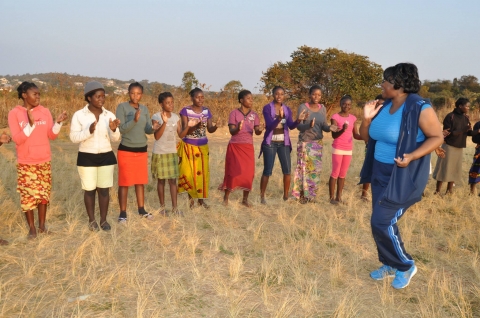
{"x":155,"y":125}
{"x":334,"y":128}
{"x":345,"y":125}
{"x":93,"y":126}
{"x":402,"y":163}
{"x":31,"y":120}
{"x":137,"y":114}
{"x":240,"y":125}
{"x":164,"y":117}
{"x":440,"y":152}
{"x":261,"y":127}
{"x":312,"y":123}
{"x":303,"y":115}
{"x":193,"y":122}
{"x":62,"y":117}
{"x":4,"y":138}
{"x":113,"y":124}
{"x":469,"y":126}
{"x":369,"y":111}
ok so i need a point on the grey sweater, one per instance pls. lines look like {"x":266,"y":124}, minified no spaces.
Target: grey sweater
{"x":133,"y":133}
{"x":308,"y":133}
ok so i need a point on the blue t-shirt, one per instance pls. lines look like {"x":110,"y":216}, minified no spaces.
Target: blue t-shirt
{"x":385,"y":129}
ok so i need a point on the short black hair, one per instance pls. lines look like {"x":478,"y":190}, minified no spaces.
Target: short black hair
{"x":462,"y":101}
{"x":314,"y":88}
{"x":344,"y":98}
{"x":90,"y":94}
{"x":403,"y":75}
{"x":24,"y":87}
{"x":135,"y":84}
{"x":276,"y":88}
{"x":194,"y":91}
{"x":163,"y":96}
{"x":379,"y":96}
{"x":243,"y":93}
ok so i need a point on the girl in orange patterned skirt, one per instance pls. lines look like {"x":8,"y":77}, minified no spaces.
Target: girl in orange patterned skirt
{"x":32,"y":127}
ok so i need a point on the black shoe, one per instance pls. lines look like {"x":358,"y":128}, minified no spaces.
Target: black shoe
{"x":122,"y":218}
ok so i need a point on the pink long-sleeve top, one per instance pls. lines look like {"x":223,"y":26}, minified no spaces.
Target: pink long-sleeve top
{"x":32,"y":142}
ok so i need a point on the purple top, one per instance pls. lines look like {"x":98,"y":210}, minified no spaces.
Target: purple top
{"x":244,"y":136}
{"x":272,"y":120}
{"x":199,"y":135}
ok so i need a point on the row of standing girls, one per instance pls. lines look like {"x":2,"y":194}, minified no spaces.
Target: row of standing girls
{"x":187,"y":162}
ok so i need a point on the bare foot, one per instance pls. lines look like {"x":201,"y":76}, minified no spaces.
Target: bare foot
{"x":3,"y":242}
{"x":247,"y":204}
{"x":263,"y":201}
{"x":204,"y":205}
{"x":45,"y":231}
{"x":225,"y":202}
{"x":32,"y":234}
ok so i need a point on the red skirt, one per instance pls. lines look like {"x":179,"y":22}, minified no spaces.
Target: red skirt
{"x":239,"y":167}
{"x":132,"y":168}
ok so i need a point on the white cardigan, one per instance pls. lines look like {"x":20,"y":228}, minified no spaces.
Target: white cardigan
{"x":99,"y":141}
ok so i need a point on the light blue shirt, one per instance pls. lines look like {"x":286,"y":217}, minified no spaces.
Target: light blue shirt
{"x":385,"y":129}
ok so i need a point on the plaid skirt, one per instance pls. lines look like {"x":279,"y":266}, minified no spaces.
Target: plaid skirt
{"x":34,"y":184}
{"x":165,"y":166}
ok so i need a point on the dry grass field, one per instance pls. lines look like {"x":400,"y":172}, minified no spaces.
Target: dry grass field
{"x":280,"y":260}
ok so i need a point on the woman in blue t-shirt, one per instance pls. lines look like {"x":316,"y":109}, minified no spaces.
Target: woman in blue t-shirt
{"x":401,"y":133}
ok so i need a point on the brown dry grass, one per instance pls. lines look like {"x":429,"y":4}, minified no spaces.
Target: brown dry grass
{"x":280,"y":260}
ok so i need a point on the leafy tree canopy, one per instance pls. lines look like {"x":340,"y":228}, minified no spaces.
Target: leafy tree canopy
{"x":337,"y":72}
{"x":189,"y":81}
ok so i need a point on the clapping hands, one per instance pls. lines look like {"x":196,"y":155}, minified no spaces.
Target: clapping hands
{"x":303,"y":115}
{"x":4,"y":138}
{"x":62,"y":117}
{"x":113,"y":124}
{"x":193,"y":122}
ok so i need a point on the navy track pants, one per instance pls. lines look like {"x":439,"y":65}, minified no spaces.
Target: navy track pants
{"x":384,"y":220}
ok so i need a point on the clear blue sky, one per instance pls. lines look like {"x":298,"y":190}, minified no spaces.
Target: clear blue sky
{"x":231,"y":40}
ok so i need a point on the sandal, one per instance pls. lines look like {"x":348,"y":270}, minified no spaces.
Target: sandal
{"x":177,"y":212}
{"x":105,"y":226}
{"x":93,"y":226}
{"x":163,"y":211}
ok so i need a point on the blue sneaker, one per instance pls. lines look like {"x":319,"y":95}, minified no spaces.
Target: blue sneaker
{"x":383,"y":272}
{"x":402,"y":279}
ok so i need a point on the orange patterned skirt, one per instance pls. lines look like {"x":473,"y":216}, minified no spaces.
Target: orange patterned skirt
{"x":34,"y":184}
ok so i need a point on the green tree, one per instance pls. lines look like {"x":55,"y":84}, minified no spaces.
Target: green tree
{"x":337,"y":72}
{"x":232,"y":88}
{"x":189,"y":81}
{"x":470,"y":83}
